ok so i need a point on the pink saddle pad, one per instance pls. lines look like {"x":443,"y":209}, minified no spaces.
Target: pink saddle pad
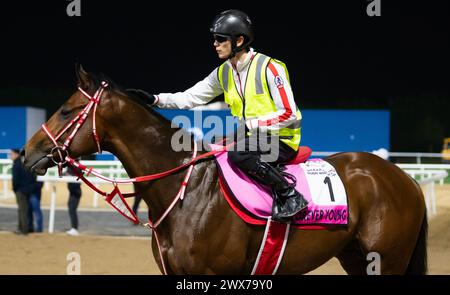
{"x":256,"y":198}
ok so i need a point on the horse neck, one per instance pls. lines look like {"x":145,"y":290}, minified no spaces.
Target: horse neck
{"x":143,"y":145}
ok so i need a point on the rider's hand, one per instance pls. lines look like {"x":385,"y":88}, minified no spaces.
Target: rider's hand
{"x":251,"y":124}
{"x":150,"y":99}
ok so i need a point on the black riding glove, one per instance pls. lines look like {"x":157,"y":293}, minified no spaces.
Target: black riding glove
{"x":149,"y":98}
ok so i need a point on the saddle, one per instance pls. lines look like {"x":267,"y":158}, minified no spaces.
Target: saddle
{"x":317,"y":181}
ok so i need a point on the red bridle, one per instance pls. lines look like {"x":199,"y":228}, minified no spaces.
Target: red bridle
{"x":79,"y":120}
{"x":115,"y":198}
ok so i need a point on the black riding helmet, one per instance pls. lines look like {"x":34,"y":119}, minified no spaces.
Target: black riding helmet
{"x":233,"y":23}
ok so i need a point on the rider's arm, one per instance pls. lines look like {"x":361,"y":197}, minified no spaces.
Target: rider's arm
{"x":282,"y":95}
{"x":199,"y":94}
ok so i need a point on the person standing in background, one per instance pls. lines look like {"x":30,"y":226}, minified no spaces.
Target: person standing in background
{"x":34,"y":209}
{"x":23,"y":183}
{"x":74,"y":201}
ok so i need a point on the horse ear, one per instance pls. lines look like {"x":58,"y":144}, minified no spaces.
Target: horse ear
{"x":83,"y":79}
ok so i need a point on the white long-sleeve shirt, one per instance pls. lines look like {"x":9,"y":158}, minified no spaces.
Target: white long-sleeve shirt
{"x":209,"y":88}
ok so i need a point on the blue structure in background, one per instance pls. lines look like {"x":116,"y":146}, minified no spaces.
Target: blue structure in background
{"x":323,"y":130}
{"x":17,"y":125}
{"x":197,"y":120}
{"x":12,"y":127}
{"x":346,"y":130}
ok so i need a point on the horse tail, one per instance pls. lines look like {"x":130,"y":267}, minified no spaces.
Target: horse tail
{"x":418,"y":264}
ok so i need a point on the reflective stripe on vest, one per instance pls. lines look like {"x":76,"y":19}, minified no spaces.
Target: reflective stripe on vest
{"x":257,"y":100}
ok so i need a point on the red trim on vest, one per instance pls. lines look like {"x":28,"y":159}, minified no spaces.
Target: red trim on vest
{"x":288,"y":111}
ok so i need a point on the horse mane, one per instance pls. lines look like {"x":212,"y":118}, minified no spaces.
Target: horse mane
{"x":112,"y":86}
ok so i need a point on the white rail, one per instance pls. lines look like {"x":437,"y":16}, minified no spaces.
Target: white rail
{"x":428,"y":175}
{"x":112,"y":169}
{"x":50,"y":183}
{"x":430,"y":192}
{"x":417,"y":156}
{"x":423,"y":170}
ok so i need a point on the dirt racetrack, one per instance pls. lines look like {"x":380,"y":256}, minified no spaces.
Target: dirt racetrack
{"x":47,"y":253}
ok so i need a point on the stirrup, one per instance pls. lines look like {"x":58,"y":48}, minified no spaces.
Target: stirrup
{"x":303,"y":205}
{"x":279,"y":210}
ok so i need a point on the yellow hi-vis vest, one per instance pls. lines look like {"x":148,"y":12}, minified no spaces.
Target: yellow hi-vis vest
{"x":257,"y":100}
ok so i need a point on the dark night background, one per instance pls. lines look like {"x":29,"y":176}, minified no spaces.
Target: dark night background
{"x":338,"y":57}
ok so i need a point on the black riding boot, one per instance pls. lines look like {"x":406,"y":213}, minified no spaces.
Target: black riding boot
{"x":286,"y":200}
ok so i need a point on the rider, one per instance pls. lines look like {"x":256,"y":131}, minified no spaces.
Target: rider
{"x":258,"y":91}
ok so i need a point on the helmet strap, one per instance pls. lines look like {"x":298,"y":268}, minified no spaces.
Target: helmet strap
{"x":234,"y":48}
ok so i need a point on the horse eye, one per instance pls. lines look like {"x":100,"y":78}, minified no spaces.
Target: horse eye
{"x":65,"y":112}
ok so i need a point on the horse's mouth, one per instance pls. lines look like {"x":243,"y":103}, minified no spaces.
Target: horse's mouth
{"x":40,"y":166}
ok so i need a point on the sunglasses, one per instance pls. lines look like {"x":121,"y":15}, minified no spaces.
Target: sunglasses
{"x":220,"y":38}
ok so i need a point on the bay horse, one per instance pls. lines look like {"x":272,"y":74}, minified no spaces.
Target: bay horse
{"x":202,"y":235}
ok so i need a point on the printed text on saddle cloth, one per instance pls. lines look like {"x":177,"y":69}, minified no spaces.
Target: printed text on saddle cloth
{"x":327,"y":193}
{"x":316,"y":179}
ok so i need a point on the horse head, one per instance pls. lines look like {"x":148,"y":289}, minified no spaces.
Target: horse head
{"x":57,"y":137}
